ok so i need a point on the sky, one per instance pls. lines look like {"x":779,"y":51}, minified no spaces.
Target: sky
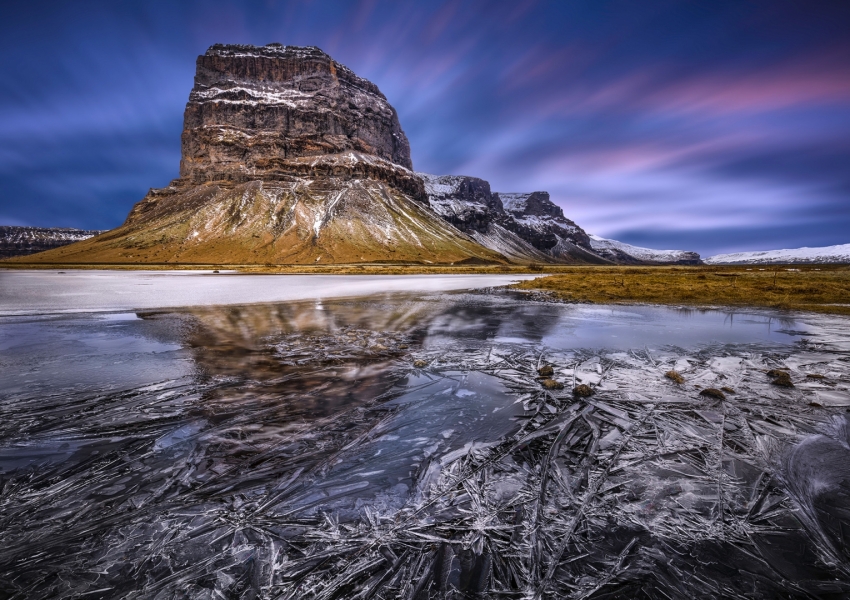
{"x":711,"y":126}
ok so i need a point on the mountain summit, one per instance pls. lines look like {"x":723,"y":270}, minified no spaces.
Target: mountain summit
{"x":253,"y":109}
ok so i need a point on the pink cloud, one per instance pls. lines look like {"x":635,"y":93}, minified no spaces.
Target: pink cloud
{"x":767,"y":90}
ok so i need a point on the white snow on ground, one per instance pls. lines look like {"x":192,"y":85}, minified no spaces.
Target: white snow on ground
{"x":826,"y":254}
{"x":600,"y":244}
{"x":46,"y":292}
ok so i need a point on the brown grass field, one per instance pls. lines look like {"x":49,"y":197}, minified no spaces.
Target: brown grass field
{"x":818,"y":288}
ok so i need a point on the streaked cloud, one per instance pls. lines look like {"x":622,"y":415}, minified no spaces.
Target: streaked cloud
{"x":711,"y":126}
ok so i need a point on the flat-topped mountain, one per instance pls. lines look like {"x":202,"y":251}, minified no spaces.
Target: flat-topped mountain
{"x":287,"y":157}
{"x":253,"y":109}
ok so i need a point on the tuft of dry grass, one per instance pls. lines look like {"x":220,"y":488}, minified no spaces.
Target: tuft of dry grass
{"x":582,"y":391}
{"x":713,"y":393}
{"x":780,"y":378}
{"x":820,"y":288}
{"x":675,"y":376}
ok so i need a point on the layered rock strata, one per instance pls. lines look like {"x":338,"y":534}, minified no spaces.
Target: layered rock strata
{"x":254,"y":109}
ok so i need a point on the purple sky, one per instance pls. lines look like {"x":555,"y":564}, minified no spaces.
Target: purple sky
{"x":708,"y":126}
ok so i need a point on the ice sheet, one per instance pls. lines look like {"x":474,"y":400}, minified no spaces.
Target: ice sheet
{"x":44,"y":292}
{"x":402,"y":446}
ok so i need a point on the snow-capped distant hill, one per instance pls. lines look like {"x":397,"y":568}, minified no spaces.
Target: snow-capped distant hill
{"x":826,"y":254}
{"x":529,"y":227}
{"x":522,"y":227}
{"x":22,"y":241}
{"x":621,"y":252}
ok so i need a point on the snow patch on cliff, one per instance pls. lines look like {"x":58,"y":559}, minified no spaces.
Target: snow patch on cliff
{"x":514,"y":202}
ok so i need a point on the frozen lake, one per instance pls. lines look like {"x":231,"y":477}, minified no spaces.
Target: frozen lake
{"x":45,"y":292}
{"x":402,"y":445}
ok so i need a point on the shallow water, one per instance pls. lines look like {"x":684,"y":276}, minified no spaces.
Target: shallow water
{"x":294,"y":450}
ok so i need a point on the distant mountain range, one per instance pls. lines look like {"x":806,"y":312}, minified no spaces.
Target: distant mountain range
{"x":22,"y":241}
{"x":288,"y":157}
{"x":824,"y":255}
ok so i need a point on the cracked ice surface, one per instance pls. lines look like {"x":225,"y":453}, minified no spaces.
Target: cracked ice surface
{"x":294,"y":450}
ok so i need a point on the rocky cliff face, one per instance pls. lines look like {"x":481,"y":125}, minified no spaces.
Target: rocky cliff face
{"x":253,"y":109}
{"x":536,"y":219}
{"x":522,"y":227}
{"x":465,"y":202}
{"x":468,"y":204}
{"x":529,"y":227}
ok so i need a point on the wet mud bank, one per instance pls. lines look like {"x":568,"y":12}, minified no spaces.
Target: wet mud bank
{"x":410,"y":446}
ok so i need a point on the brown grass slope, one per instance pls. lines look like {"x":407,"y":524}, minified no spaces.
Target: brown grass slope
{"x":302,"y":221}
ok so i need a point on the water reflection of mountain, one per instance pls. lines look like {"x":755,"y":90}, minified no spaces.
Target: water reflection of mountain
{"x":295,"y":450}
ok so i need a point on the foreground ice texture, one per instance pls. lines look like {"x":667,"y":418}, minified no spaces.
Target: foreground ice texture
{"x":294,"y":451}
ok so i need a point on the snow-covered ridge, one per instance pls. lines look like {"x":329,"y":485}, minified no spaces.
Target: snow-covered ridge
{"x":448,"y":200}
{"x":825,"y":254}
{"x":609,"y":248}
{"x":20,"y":241}
{"x":542,"y":222}
{"x":266,"y":95}
{"x":514,"y":202}
{"x":528,"y":226}
{"x":10,"y":233}
{"x":273,"y":50}
{"x":441,"y":186}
